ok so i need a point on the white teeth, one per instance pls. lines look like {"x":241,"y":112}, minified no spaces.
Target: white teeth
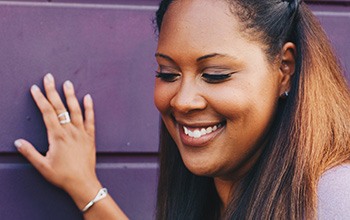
{"x":209,"y":130}
{"x":185,"y":130}
{"x":199,"y":133}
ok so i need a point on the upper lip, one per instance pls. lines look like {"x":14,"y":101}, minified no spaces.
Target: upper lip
{"x":197,"y":124}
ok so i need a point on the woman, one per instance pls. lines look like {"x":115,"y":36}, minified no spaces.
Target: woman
{"x":254,"y":110}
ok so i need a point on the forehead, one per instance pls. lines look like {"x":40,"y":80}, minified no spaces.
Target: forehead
{"x":197,"y":23}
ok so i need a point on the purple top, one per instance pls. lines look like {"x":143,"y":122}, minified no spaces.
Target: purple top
{"x":334,"y":194}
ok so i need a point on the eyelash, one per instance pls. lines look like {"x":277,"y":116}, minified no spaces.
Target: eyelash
{"x":210,"y":78}
{"x":167,"y":77}
{"x":215,"y":78}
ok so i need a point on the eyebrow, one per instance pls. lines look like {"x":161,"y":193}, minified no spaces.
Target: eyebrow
{"x":164,"y":56}
{"x":208,"y":56}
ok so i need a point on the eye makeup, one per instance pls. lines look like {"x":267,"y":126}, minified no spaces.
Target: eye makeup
{"x":167,"y":77}
{"x":216,"y":78}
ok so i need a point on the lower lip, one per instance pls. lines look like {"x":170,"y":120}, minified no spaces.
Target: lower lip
{"x":198,"y":142}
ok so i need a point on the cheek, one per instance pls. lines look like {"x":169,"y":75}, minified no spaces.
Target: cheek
{"x":229,"y":100}
{"x":254,"y":115}
{"x":163,"y":93}
{"x":248,"y":102}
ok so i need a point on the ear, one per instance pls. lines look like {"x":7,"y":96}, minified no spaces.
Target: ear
{"x":287,"y":66}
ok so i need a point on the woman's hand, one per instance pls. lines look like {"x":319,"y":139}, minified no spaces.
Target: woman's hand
{"x":71,"y":157}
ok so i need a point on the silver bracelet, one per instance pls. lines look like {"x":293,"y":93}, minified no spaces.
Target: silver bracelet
{"x":102,"y":193}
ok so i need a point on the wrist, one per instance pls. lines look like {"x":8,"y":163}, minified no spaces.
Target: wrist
{"x":83,"y":193}
{"x":102,"y":193}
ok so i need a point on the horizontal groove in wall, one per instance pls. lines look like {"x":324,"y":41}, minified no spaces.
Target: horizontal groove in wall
{"x":80,"y":5}
{"x":140,"y":2}
{"x":117,"y":165}
{"x":99,"y":166}
{"x":340,"y":3}
{"x":332,"y":14}
{"x":102,"y":158}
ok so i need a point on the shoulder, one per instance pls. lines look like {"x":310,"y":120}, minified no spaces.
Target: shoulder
{"x":334,"y":193}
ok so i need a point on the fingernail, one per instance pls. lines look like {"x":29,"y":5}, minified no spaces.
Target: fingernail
{"x":48,"y":77}
{"x":88,"y":97}
{"x":18,"y":143}
{"x":34,"y":88}
{"x":68,"y":84}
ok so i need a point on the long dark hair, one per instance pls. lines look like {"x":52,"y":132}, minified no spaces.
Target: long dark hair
{"x":309,"y":134}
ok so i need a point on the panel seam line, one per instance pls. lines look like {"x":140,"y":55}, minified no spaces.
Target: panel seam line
{"x":80,"y":5}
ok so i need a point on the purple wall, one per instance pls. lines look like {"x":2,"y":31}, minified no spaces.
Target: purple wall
{"x":106,"y":49}
{"x":336,"y":21}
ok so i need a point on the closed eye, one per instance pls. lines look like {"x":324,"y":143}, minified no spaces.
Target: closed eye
{"x":167,"y":77}
{"x":216,"y":78}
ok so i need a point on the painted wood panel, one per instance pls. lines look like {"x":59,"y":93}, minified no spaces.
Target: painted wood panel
{"x":336,"y":21}
{"x":25,"y":195}
{"x":106,"y":51}
{"x":106,"y":48}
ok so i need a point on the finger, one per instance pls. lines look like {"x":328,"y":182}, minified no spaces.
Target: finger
{"x":73,"y":104}
{"x":52,"y":94}
{"x":89,"y":115}
{"x":32,"y":155}
{"x":49,"y":114}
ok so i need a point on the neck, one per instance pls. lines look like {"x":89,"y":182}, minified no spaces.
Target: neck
{"x":226,"y":185}
{"x":224,"y":189}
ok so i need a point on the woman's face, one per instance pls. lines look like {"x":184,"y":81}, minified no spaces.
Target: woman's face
{"x":215,"y":89}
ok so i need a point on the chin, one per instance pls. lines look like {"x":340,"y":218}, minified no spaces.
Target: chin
{"x":201,"y":168}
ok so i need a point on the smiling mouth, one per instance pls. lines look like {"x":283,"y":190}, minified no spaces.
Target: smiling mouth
{"x":199,"y":132}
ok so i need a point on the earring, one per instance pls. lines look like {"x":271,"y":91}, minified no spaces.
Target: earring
{"x":285,"y":94}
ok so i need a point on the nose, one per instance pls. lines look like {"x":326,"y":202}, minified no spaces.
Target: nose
{"x":188,"y":98}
